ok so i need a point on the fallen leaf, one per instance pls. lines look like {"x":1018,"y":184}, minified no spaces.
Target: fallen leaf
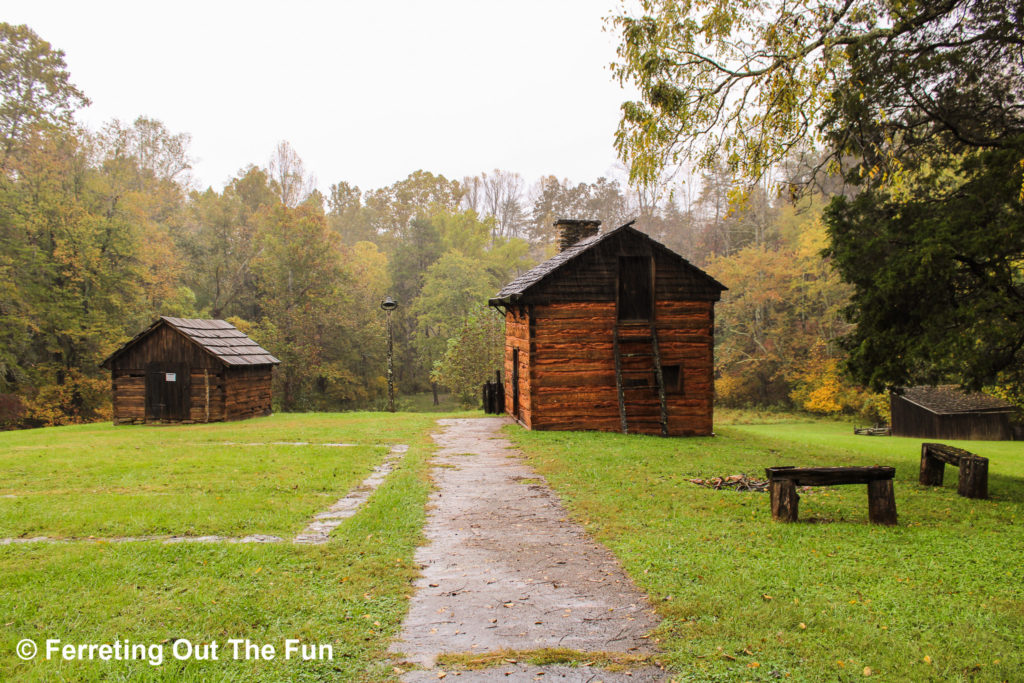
{"x":767,"y":597}
{"x":803,"y":625}
{"x":867,"y":671}
{"x":753,"y":665}
{"x":927,"y":659}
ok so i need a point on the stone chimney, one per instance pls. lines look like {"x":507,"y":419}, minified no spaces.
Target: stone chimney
{"x":571,"y":231}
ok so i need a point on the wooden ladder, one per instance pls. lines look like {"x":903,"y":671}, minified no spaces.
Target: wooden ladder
{"x":659,"y":376}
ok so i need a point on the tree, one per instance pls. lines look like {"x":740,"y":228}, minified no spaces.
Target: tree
{"x":346,"y":214}
{"x":452,"y":290}
{"x":35,"y":87}
{"x":938,"y":268}
{"x":747,"y":82}
{"x":288,"y":172}
{"x":156,"y":152}
{"x":394,"y":207}
{"x":472,"y":355}
{"x":919,"y":104}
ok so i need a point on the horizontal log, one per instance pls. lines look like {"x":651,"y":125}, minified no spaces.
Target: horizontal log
{"x":830,"y":476}
{"x":692,"y":307}
{"x":556,"y":335}
{"x":947,"y":454}
{"x":547,"y":325}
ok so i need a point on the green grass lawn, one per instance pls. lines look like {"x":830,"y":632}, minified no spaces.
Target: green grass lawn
{"x":939,"y":597}
{"x":215,"y":479}
{"x":350,"y":593}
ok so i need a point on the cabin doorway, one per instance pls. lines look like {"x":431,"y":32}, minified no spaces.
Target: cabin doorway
{"x":167,"y":392}
{"x":515,"y":383}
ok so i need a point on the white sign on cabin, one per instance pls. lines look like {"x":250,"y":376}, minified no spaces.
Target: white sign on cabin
{"x":170,"y":377}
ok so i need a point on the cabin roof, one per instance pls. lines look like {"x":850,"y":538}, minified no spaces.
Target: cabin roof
{"x":949,"y":399}
{"x":219,"y":338}
{"x":536,"y":275}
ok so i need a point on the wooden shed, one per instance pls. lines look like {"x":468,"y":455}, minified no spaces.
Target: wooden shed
{"x":946,"y":412}
{"x":614,"y":333}
{"x":190,"y":370}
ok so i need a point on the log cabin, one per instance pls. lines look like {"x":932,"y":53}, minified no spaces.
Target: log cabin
{"x":187,"y":370}
{"x":947,"y":412}
{"x":613,"y":333}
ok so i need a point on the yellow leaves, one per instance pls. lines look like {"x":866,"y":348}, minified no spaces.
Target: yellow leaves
{"x":1020,"y":197}
{"x":927,"y":659}
{"x":867,"y":671}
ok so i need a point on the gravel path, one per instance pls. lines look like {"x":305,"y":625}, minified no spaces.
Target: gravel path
{"x":504,"y":569}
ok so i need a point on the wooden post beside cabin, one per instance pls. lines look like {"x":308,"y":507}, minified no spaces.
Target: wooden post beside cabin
{"x":190,"y":370}
{"x":614,"y":333}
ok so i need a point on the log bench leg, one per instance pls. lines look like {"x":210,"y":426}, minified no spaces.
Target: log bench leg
{"x":931,"y":468}
{"x":881,"y":502}
{"x":973,"y":477}
{"x":785,"y":500}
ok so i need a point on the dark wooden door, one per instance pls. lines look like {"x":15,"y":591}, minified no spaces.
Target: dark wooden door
{"x":167,"y":392}
{"x":636,"y":288}
{"x":515,"y":382}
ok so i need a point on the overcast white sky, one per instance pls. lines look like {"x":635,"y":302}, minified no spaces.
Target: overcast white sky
{"x":365,"y":92}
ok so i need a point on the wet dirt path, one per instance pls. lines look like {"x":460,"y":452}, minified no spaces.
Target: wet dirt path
{"x":503,"y":569}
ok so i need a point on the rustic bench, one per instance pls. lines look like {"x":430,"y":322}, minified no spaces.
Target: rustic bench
{"x":973,"y":468}
{"x":782,"y":483}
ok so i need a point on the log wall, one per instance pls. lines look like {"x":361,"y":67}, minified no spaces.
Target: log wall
{"x":247,"y":391}
{"x":129,"y":392}
{"x":572,"y":367}
{"x":517,"y":336}
{"x":912,"y":420}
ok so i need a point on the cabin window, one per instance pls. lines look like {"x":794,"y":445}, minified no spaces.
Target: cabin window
{"x":636,"y":298}
{"x":673,"y":376}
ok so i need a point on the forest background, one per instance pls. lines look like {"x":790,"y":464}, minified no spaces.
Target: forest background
{"x":102,"y":231}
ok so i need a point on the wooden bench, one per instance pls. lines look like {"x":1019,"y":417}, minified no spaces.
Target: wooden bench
{"x":973,"y":468}
{"x":783,"y":481}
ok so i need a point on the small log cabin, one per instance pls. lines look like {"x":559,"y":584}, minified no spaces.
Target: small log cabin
{"x":947,"y":412}
{"x":614,"y":333}
{"x":190,"y":370}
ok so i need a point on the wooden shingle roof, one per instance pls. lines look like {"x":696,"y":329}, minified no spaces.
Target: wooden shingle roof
{"x":949,"y":399}
{"x":218,"y":338}
{"x":534,"y":277}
